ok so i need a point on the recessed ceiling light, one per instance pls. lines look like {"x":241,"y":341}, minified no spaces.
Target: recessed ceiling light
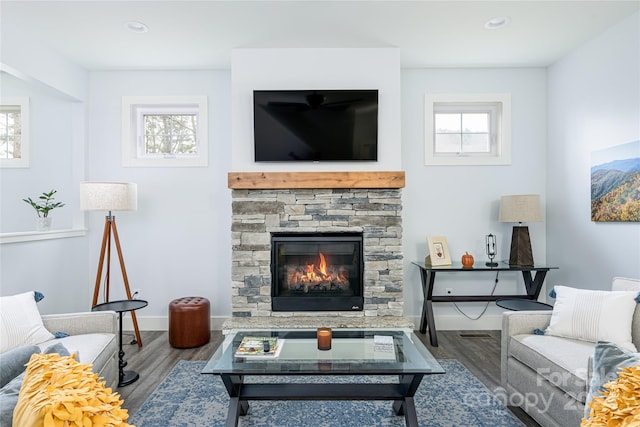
{"x":136,"y":27}
{"x":497,"y":22}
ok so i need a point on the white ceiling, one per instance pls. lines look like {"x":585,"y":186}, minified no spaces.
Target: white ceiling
{"x":200,"y":34}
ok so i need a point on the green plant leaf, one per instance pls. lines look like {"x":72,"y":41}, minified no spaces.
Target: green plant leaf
{"x":47,"y":206}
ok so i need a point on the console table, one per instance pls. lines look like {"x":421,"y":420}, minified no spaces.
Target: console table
{"x":533,"y":286}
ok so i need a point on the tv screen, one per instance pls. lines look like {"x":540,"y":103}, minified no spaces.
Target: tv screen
{"x":315,"y":125}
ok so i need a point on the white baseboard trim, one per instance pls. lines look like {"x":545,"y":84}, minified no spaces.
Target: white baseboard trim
{"x":443,"y":323}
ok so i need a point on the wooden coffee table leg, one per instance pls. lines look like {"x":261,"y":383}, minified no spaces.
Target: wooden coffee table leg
{"x":237,"y":406}
{"x":398,"y":407}
{"x":407,"y":408}
{"x":410,"y":416}
{"x":234,"y":412}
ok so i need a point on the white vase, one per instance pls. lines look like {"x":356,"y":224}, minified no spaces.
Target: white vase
{"x":43,"y":224}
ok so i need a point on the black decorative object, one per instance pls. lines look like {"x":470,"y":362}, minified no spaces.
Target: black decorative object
{"x":490,"y":241}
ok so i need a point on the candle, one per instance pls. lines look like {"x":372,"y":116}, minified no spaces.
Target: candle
{"x":324,"y":338}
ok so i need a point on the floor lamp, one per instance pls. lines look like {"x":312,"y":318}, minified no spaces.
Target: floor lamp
{"x":110,"y":196}
{"x":520,"y":208}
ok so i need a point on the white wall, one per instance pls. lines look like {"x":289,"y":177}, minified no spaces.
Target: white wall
{"x":461,"y":202}
{"x":50,"y":160}
{"x":56,"y":89}
{"x":594,"y":103}
{"x":25,"y":55}
{"x":58,"y":268}
{"x":178,"y":241}
{"x":287,"y":69}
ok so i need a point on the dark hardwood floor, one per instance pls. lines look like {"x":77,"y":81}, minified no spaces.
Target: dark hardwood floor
{"x":478,"y":351}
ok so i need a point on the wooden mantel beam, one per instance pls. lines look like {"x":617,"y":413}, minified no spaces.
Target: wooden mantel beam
{"x":283,"y":180}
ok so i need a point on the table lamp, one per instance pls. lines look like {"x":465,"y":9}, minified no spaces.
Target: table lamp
{"x":520,"y":208}
{"x":110,"y":196}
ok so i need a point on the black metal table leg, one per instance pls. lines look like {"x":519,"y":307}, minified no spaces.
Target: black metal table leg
{"x":120,"y":307}
{"x":402,"y":394}
{"x":237,"y":405}
{"x":406,"y":406}
{"x":124,"y":377}
{"x":534,"y":286}
{"x":233,"y":415}
{"x":423,"y":317}
{"x":433,"y":334}
{"x":410,"y":415}
{"x":427,"y":318}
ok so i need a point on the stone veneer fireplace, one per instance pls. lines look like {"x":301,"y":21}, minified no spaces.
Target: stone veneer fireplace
{"x":264,"y":207}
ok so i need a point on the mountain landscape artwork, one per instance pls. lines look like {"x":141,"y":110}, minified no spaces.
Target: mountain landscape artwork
{"x":615,"y":183}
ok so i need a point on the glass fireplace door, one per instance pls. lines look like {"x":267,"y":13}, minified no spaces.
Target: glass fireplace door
{"x":317,"y":272}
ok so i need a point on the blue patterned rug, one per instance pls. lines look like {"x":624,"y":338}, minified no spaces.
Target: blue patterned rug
{"x":457,"y":398}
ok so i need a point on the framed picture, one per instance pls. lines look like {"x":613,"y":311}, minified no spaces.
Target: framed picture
{"x":438,"y":251}
{"x":615,"y":173}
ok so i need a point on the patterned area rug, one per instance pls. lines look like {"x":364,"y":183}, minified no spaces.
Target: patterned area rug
{"x":457,"y":398}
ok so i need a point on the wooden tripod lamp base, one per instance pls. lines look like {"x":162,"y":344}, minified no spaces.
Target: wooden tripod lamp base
{"x":110,"y":196}
{"x":109,"y":229}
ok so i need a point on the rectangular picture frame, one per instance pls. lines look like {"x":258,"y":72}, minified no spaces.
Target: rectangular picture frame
{"x":614,"y":172}
{"x":438,"y":251}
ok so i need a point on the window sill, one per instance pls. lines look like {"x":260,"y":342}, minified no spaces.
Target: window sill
{"x":469,"y":160}
{"x":30,"y":236}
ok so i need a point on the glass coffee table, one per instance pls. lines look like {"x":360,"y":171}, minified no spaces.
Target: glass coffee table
{"x":352,"y":354}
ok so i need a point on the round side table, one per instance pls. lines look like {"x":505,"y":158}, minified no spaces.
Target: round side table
{"x":520,"y":304}
{"x":122,"y":306}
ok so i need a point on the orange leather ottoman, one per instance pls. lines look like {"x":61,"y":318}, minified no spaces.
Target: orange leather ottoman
{"x":189,"y":322}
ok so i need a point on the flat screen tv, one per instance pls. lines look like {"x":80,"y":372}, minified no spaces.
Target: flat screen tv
{"x":315,"y":125}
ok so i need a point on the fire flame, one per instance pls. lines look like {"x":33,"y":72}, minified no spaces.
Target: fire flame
{"x":323,"y":265}
{"x":320,"y":272}
{"x":313,"y":273}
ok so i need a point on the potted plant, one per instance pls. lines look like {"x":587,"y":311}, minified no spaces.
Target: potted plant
{"x":43,"y":208}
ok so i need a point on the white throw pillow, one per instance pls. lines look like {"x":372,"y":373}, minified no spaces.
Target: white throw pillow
{"x":20,"y":322}
{"x":593,"y":316}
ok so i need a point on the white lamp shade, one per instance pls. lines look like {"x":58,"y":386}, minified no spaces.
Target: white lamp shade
{"x":108,"y":196}
{"x":520,"y":208}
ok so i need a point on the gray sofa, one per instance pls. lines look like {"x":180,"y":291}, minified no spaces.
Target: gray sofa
{"x":549,"y":376}
{"x":92,"y":335}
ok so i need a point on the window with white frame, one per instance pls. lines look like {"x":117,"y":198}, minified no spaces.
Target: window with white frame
{"x":165,"y":131}
{"x":14,"y":132}
{"x":467,"y":129}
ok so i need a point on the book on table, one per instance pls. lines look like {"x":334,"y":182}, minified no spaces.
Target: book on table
{"x":259,"y":347}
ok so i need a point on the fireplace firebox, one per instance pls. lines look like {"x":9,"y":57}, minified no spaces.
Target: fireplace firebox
{"x":317,"y":272}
